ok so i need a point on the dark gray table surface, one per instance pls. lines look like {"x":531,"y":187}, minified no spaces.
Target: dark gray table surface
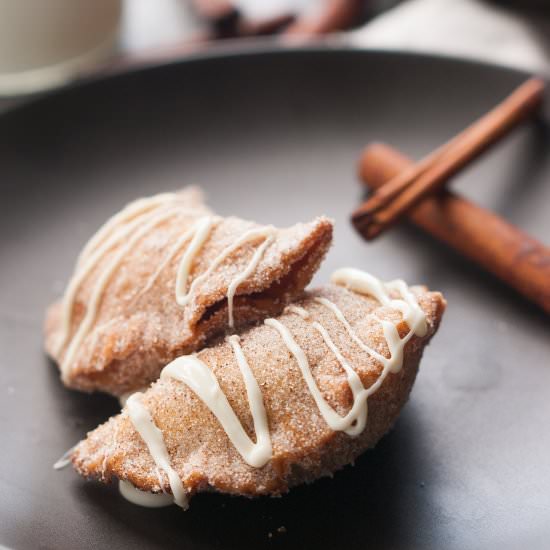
{"x":275,"y":137}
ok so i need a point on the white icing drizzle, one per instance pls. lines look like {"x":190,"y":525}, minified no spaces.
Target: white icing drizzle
{"x":353,"y":423}
{"x":200,"y":233}
{"x":195,"y":373}
{"x":236,"y":282}
{"x":125,"y":229}
{"x":201,"y":226}
{"x":123,"y":398}
{"x":262,"y":451}
{"x":64,"y":461}
{"x":303,"y":313}
{"x":128,"y":213}
{"x":127,"y":226}
{"x":84,"y":269}
{"x":153,"y":438}
{"x":332,"y":418}
{"x":353,"y":335}
{"x":118,"y":228}
{"x":201,"y":380}
{"x":143,"y":498}
{"x":267,"y":233}
{"x":95,"y":299}
{"x":365,"y":283}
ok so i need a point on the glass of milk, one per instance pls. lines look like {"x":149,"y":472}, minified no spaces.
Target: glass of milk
{"x":45,"y":43}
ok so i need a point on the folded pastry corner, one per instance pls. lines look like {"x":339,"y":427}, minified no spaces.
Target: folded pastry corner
{"x":285,"y":402}
{"x":165,"y":275}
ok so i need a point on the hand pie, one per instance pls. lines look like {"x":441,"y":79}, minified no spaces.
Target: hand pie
{"x":162,"y":277}
{"x":283,"y":403}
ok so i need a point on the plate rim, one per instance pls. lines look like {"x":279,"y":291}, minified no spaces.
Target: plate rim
{"x":252,"y":48}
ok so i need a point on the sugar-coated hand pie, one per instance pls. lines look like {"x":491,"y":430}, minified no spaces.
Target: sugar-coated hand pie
{"x":237,"y":379}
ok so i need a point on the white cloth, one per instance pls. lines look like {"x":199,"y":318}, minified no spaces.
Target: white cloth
{"x":465,"y":28}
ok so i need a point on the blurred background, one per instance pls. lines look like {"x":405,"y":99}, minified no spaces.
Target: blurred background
{"x":278,"y":138}
{"x":50,"y":43}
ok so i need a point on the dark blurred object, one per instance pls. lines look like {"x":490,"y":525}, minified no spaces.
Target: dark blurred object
{"x":222,"y":16}
{"x":227,"y":21}
{"x":336,"y":15}
{"x":539,"y":5}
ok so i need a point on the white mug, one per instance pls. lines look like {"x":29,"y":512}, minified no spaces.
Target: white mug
{"x":45,"y":43}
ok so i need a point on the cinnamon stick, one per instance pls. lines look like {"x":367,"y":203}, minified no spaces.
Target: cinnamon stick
{"x":504,"y":250}
{"x":401,"y":193}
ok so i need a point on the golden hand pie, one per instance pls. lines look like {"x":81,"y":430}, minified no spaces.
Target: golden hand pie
{"x":162,"y":277}
{"x":282,"y":403}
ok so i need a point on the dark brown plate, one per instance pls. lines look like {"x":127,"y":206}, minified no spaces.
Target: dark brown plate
{"x":275,"y":136}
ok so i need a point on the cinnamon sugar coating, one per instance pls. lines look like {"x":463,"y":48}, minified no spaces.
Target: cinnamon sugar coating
{"x":136,"y":333}
{"x":304,"y":447}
